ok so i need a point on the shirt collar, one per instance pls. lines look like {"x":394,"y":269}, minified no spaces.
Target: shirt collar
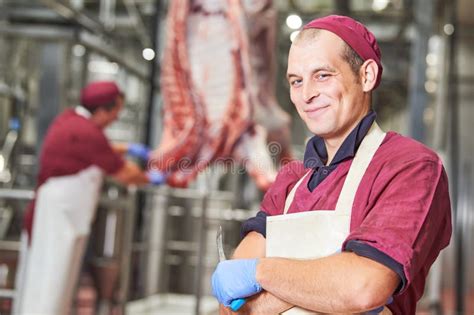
{"x":316,"y":154}
{"x":82,"y":111}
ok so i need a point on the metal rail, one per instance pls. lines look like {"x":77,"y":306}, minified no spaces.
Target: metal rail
{"x":20,"y":194}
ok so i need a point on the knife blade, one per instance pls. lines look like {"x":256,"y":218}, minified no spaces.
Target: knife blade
{"x":220,"y":244}
{"x":235,"y":305}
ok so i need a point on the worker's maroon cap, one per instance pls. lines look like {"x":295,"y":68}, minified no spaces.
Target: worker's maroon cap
{"x":356,"y":35}
{"x":99,"y":93}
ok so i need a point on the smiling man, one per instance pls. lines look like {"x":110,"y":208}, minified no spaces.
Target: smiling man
{"x":356,"y":226}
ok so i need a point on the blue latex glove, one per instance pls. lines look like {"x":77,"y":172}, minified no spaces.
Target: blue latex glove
{"x":156,"y":177}
{"x":14,"y":124}
{"x":379,"y":309}
{"x":138,"y":150}
{"x":235,"y":279}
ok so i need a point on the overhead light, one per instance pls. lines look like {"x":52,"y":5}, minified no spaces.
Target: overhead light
{"x":148,"y":54}
{"x":380,"y":5}
{"x":448,"y":29}
{"x":294,"y":21}
{"x":78,"y":50}
{"x":293,"y":35}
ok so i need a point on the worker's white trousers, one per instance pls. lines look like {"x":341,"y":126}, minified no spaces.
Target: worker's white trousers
{"x":65,"y":207}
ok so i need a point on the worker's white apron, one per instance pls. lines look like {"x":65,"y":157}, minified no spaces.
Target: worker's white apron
{"x":64,"y":210}
{"x":315,"y":234}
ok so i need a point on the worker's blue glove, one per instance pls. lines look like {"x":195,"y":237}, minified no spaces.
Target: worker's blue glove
{"x":235,"y":279}
{"x":138,"y":150}
{"x":156,"y":177}
{"x":379,"y":309}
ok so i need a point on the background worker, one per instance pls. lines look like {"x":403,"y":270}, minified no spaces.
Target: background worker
{"x":74,"y":157}
{"x":380,"y":198}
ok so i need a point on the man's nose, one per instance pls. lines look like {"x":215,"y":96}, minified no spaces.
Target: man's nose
{"x":310,"y":91}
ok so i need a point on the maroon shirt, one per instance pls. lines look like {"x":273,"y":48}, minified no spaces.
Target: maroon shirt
{"x":401,"y":208}
{"x":72,"y":144}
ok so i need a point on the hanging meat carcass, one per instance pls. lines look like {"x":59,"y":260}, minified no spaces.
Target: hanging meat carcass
{"x":184,"y":113}
{"x":261,"y":24}
{"x":205,"y":81}
{"x":205,"y":107}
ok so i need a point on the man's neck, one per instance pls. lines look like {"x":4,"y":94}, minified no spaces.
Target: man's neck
{"x":334,"y":143}
{"x":331,"y":148}
{"x":95,"y":118}
{"x":98,"y":121}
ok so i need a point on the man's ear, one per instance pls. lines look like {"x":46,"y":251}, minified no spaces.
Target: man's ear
{"x":369,"y":72}
{"x":99,"y":111}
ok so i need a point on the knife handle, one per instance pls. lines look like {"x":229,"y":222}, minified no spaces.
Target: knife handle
{"x":235,"y":305}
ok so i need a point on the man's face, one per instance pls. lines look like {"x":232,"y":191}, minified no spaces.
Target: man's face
{"x":109,"y":116}
{"x":114,"y":112}
{"x":323,"y":88}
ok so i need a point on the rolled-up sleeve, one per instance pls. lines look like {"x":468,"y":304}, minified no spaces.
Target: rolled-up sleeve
{"x":410,"y":217}
{"x":257,"y":223}
{"x":367,"y":251}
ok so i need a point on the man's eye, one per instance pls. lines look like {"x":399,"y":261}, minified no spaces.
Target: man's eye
{"x":322,"y":76}
{"x":295,"y":82}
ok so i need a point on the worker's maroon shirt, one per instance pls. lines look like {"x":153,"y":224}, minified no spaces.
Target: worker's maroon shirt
{"x":401,"y":208}
{"x":72,"y":144}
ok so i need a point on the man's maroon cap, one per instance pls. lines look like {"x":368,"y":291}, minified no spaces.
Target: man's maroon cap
{"x":99,"y":93}
{"x":356,"y":35}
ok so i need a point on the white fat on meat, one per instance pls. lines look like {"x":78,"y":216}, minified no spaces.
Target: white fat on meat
{"x":210,"y":46}
{"x":253,"y":153}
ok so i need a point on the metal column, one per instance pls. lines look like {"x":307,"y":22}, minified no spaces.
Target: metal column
{"x":127,"y":249}
{"x":417,"y":96}
{"x":3,"y":44}
{"x":107,"y":13}
{"x":459,"y":271}
{"x":201,"y":254}
{"x":156,"y":222}
{"x":4,"y":88}
{"x":50,"y":86}
{"x":152,"y":109}
{"x":158,"y":214}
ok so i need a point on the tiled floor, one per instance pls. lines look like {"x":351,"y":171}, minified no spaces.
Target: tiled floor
{"x":86,"y":300}
{"x":172,"y":304}
{"x":184,"y":304}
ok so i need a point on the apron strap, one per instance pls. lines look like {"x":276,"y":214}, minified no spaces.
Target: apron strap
{"x":361,"y":161}
{"x":291,"y":195}
{"x":359,"y":165}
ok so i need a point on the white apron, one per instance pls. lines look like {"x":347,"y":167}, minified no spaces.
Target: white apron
{"x":316,"y":234}
{"x":64,"y":210}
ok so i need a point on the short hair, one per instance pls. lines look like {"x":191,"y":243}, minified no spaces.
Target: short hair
{"x":348,"y":54}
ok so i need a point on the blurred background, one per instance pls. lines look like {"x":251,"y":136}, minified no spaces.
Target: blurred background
{"x":152,"y":250}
